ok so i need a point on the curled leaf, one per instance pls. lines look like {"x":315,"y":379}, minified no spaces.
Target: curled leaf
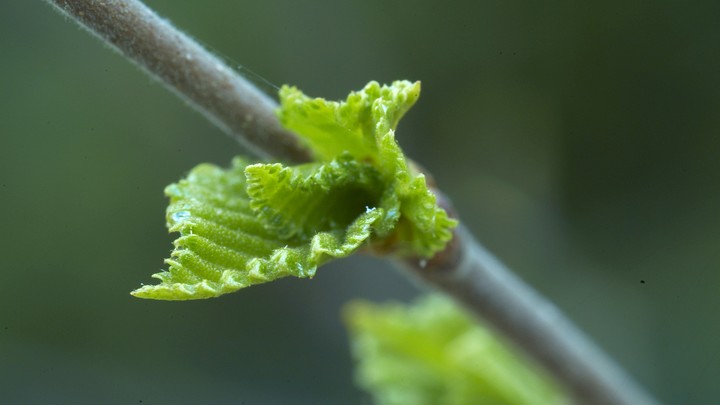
{"x":257,"y":222}
{"x":364,"y":127}
{"x":225,"y":245}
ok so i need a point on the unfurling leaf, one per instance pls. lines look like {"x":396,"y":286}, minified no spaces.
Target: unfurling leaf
{"x":256,"y":222}
{"x":364,"y":126}
{"x":431,"y":352}
{"x":226,"y":245}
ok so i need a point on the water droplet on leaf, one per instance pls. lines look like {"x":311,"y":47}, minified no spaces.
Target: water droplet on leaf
{"x":180,"y":216}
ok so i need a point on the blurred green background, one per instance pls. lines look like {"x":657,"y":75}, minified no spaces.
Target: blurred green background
{"x":578,"y":141}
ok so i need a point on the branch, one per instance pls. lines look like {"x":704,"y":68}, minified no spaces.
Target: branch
{"x":209,"y":85}
{"x":471,"y":275}
{"x":464,"y":270}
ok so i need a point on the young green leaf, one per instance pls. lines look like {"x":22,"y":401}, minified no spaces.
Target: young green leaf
{"x":431,"y":352}
{"x":305,"y":199}
{"x":357,"y":125}
{"x":364,"y":127}
{"x":225,"y":245}
{"x":257,"y":222}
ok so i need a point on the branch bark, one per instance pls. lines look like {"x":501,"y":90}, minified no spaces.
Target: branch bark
{"x":464,"y":270}
{"x":474,"y":277}
{"x":199,"y":77}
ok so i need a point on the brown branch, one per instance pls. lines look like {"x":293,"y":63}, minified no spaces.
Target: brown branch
{"x":224,"y":97}
{"x":464,"y":270}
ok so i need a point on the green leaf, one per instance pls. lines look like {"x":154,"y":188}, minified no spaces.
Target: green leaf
{"x":364,"y":127}
{"x":225,"y":245}
{"x":257,"y":222}
{"x":432,"y":352}
{"x":357,"y":125}
{"x":305,"y":199}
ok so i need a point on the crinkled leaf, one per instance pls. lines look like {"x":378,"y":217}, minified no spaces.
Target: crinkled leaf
{"x":225,"y":245}
{"x":254,"y":223}
{"x":356,"y":125}
{"x":364,"y":127}
{"x":434,"y":353}
{"x":305,"y":199}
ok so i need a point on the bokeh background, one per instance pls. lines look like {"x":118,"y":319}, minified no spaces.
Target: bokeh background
{"x":578,"y":140}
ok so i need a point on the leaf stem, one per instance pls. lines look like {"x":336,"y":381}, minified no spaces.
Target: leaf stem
{"x":465,"y":270}
{"x":199,"y":77}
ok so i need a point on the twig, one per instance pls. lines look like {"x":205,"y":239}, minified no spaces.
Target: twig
{"x":471,"y":275}
{"x":226,"y":98}
{"x":464,"y":270}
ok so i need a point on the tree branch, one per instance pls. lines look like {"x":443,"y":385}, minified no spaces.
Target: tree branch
{"x":471,"y":275}
{"x":464,"y":270}
{"x":224,"y":97}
